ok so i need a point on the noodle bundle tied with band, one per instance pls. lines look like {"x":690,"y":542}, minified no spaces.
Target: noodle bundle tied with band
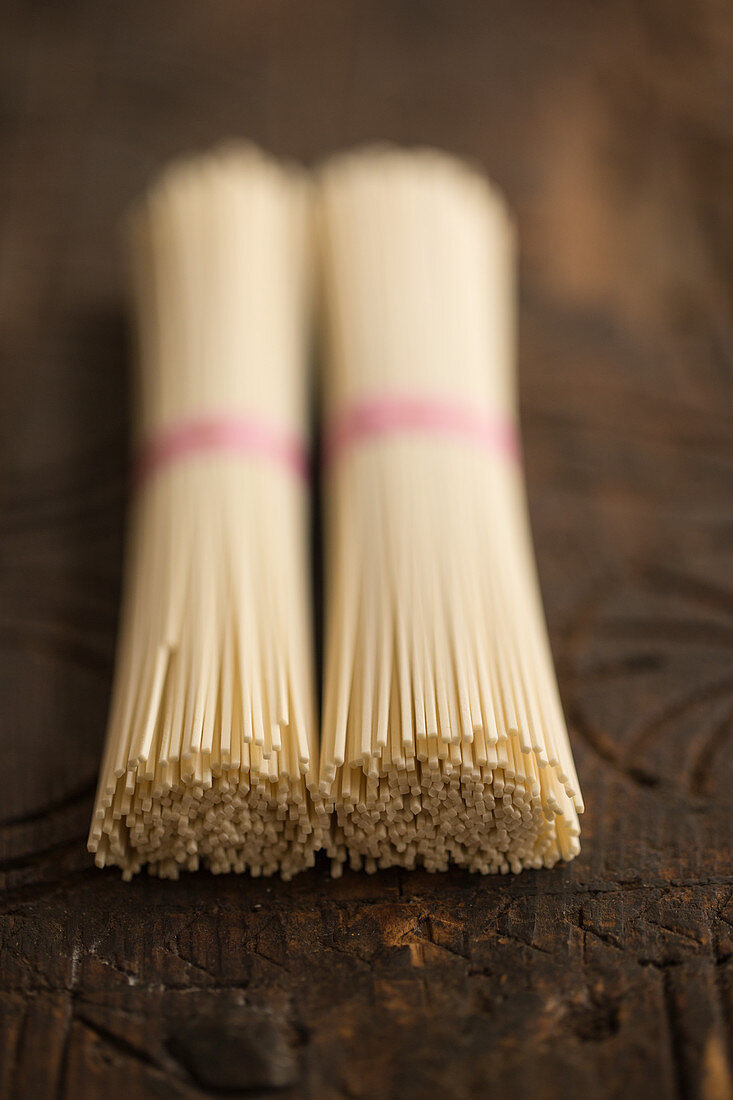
{"x":442,"y":735}
{"x":443,"y":739}
{"x":211,"y":750}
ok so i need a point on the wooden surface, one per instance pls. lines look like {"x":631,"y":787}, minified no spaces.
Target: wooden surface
{"x":610,"y":127}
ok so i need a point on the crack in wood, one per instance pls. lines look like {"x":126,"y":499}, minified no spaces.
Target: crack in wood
{"x":82,"y":794}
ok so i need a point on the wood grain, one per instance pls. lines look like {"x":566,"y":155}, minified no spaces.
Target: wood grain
{"x":610,"y":127}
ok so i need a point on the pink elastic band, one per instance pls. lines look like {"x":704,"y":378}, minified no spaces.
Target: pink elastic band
{"x":235,"y":434}
{"x":435,"y":416}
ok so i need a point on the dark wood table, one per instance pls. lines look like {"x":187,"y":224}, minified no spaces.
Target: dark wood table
{"x":610,"y":127}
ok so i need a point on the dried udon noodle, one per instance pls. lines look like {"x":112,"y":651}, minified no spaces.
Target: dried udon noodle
{"x":212,"y":746}
{"x":443,"y":739}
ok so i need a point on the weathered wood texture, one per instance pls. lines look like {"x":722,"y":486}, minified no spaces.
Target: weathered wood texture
{"x":610,"y":126}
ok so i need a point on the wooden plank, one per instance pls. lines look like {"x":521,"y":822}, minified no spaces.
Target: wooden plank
{"x":610,"y":127}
